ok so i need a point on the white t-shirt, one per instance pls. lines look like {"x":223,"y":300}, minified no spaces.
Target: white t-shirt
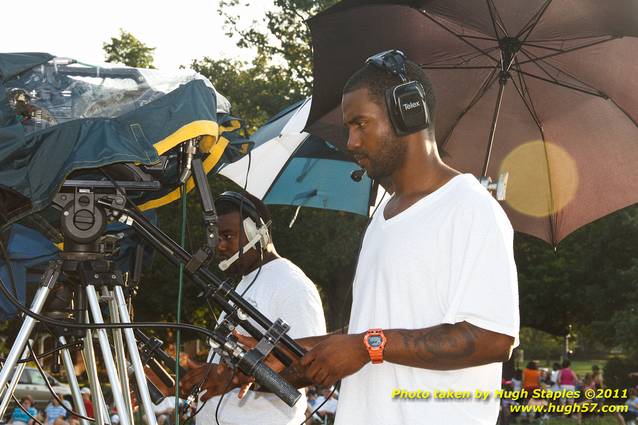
{"x":281,"y":290}
{"x":448,"y":258}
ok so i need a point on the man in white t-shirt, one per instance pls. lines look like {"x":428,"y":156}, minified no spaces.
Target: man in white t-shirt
{"x":274,"y":286}
{"x":435,"y":296}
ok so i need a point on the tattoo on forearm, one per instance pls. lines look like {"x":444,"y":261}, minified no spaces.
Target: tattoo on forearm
{"x":441,"y":342}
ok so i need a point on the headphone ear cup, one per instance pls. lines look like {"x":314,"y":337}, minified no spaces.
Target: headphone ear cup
{"x":407,"y":108}
{"x":250,"y":228}
{"x":393,"y":111}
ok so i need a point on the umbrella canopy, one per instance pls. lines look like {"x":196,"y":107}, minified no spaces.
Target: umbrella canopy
{"x":545,"y":90}
{"x":295,"y":168}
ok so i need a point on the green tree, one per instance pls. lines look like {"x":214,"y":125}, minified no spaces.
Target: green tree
{"x":281,"y":72}
{"x":128,"y":50}
{"x":284,"y":38}
{"x":256,"y":91}
{"x":590,"y":282}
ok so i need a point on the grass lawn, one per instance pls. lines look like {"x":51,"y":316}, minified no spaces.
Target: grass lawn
{"x":581,"y":367}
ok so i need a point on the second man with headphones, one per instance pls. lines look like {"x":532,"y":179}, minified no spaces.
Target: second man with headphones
{"x":273,"y":285}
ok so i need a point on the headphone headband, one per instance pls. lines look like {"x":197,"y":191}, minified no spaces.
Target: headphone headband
{"x":391,"y":61}
{"x":242,"y":202}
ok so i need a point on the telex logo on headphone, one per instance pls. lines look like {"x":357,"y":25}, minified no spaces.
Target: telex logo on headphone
{"x":411,"y":105}
{"x":406,"y":101}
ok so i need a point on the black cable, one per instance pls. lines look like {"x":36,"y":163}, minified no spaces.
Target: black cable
{"x":198,"y":390}
{"x":46,"y":353}
{"x":63,"y":324}
{"x":122,"y":192}
{"x":226,"y":389}
{"x":18,"y":404}
{"x":261,"y":248}
{"x":51,"y":390}
{"x":334,"y":388}
{"x":144,"y":325}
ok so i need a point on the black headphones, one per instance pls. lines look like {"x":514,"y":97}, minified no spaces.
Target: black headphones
{"x":254,"y":223}
{"x":406,"y":101}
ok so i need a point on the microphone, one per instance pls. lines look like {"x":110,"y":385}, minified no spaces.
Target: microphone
{"x":225,"y":264}
{"x":357,"y":175}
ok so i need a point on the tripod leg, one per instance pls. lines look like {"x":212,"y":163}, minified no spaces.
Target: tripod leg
{"x":14,"y":382}
{"x":136,"y":361}
{"x":73,"y":381}
{"x":120,"y":355}
{"x":100,"y":409}
{"x":48,"y":280}
{"x":107,"y":355}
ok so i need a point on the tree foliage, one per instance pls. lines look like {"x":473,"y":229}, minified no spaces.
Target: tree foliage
{"x":590,"y":282}
{"x":283,"y":39}
{"x":256,"y":91}
{"x":281,"y":72}
{"x":128,"y":50}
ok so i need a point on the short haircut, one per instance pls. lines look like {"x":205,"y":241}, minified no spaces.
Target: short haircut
{"x":377,"y":81}
{"x":223,"y":207}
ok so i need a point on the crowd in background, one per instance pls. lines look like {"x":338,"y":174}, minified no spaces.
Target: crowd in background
{"x":562,"y":378}
{"x":322,"y":404}
{"x":58,"y":411}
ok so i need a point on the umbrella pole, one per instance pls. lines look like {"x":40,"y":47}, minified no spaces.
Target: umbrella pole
{"x":497,"y":109}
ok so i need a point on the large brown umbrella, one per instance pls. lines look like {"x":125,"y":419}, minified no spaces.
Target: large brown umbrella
{"x":545,"y":90}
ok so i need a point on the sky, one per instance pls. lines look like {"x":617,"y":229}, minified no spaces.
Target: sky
{"x":180,"y":30}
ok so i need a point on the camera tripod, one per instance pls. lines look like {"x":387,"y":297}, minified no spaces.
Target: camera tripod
{"x":87,"y":262}
{"x":86,"y":207}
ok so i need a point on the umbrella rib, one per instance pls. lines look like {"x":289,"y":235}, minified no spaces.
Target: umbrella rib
{"x":551,"y":213}
{"x":539,"y":46}
{"x":490,"y":6}
{"x":529,"y":104}
{"x":455,"y":67}
{"x":465,"y":58}
{"x":477,"y":37}
{"x":555,"y":68}
{"x":561,"y":84}
{"x":427,"y":15}
{"x":562,"y":40}
{"x":624,"y":112}
{"x":487,"y":83}
{"x":529,"y":55}
{"x":534,"y":20}
{"x":573,"y":49}
{"x":525,"y":89}
{"x":499,"y":20}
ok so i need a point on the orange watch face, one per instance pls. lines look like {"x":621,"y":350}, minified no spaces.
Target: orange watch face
{"x":374,"y":341}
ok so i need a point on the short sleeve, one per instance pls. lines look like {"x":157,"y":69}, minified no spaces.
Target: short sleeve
{"x":482,"y":272}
